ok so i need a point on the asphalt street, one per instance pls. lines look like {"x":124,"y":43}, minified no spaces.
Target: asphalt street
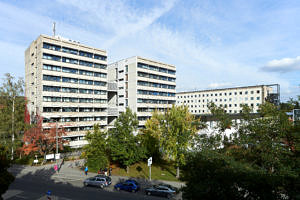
{"x":34,"y":182}
{"x":35,"y":188}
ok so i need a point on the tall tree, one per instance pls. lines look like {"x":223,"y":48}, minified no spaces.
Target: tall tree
{"x":124,"y":146}
{"x":175,"y":129}
{"x":43,"y":141}
{"x":96,"y":151}
{"x":12,"y":104}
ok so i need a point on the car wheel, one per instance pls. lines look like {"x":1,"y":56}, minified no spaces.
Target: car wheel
{"x":118,"y":188}
{"x":169,"y":196}
{"x":101,"y":186}
{"x":85,"y":184}
{"x":149,"y":193}
{"x":133,"y":191}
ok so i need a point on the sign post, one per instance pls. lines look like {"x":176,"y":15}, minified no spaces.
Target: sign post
{"x":149,"y":165}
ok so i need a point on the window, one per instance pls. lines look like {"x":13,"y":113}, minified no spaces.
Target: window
{"x":51,"y":67}
{"x":85,"y":63}
{"x":251,"y":98}
{"x":69,"y":70}
{"x":70,"y":60}
{"x":51,"y":46}
{"x":257,"y":98}
{"x":100,"y":57}
{"x":69,"y":90}
{"x":51,"y":78}
{"x":51,"y":88}
{"x":241,"y":92}
{"x":69,"y":50}
{"x":100,"y":66}
{"x":87,"y":73}
{"x":51,"y":57}
{"x":86,"y":54}
{"x":86,"y":82}
{"x":102,"y":92}
{"x":246,"y":92}
{"x":69,"y":80}
{"x":100,"y":83}
{"x":257,"y":91}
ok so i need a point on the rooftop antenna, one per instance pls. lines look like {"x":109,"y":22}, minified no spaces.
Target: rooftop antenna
{"x":54,"y":29}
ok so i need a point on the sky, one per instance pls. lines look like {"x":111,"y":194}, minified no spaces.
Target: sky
{"x":212,"y":43}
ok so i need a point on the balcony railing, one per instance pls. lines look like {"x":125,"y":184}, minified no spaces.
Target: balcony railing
{"x":112,"y":111}
{"x":112,"y":86}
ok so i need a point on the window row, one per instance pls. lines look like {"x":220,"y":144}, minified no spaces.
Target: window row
{"x":155,"y":101}
{"x":220,"y":94}
{"x":73,"y":61}
{"x":151,"y":109}
{"x":155,"y":93}
{"x":219,"y":100}
{"x":72,"y":90}
{"x":155,"y":68}
{"x":73,"y":109}
{"x":157,"y":85}
{"x":154,"y":76}
{"x":73,"y":51}
{"x":73,"y":100}
{"x":72,"y":80}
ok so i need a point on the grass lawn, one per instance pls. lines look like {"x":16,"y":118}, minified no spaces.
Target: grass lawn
{"x":164,"y":171}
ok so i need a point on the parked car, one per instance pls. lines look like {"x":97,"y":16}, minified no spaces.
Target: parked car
{"x":170,"y":186}
{"x":128,"y":185}
{"x":108,"y":179}
{"x":100,"y":182}
{"x":160,"y":190}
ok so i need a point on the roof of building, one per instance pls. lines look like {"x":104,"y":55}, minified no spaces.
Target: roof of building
{"x":220,"y":89}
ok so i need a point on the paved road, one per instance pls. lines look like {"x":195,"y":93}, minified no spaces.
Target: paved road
{"x":34,"y":182}
{"x":35,"y":188}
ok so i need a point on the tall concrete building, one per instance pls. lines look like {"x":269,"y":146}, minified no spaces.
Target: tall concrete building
{"x":229,"y":98}
{"x":143,"y":85}
{"x":66,"y":82}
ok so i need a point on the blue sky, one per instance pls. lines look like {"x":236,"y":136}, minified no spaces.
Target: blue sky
{"x":213,"y":44}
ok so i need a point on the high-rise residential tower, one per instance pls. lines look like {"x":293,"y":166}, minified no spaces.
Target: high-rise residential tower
{"x":143,"y":85}
{"x":66,"y":83}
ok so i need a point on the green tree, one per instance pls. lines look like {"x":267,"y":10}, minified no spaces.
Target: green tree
{"x":175,"y":130}
{"x":124,"y":146}
{"x":96,"y":151}
{"x":12,"y":104}
{"x":223,"y":120}
{"x":262,"y":161}
{"x":5,"y":177}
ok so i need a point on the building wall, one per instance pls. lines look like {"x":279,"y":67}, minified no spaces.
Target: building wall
{"x":144,"y":98}
{"x":72,"y":93}
{"x":230,"y":98}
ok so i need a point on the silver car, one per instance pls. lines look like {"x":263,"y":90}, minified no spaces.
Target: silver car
{"x":160,"y":190}
{"x":100,"y":182}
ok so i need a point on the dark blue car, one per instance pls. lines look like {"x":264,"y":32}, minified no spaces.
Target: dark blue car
{"x":129,"y":185}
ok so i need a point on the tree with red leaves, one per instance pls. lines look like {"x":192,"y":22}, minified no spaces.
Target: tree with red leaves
{"x":40,"y":140}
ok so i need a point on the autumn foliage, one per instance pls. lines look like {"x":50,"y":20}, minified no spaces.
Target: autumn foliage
{"x":43,"y":141}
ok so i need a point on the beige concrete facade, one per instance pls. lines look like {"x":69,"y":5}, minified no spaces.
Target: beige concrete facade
{"x":229,"y":98}
{"x":143,"y":85}
{"x":66,"y":82}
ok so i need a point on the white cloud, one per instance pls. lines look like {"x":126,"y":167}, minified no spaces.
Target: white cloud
{"x":283,"y":65}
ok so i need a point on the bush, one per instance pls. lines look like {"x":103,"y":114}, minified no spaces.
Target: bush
{"x":25,"y":160}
